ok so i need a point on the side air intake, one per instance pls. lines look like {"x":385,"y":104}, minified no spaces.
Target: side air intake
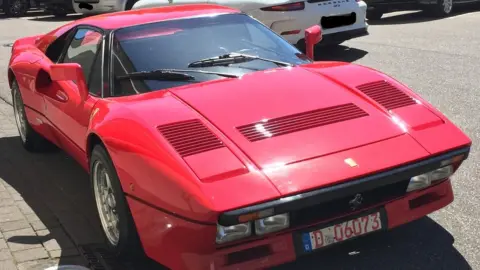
{"x":300,"y":121}
{"x":386,"y":94}
{"x":190,"y":137}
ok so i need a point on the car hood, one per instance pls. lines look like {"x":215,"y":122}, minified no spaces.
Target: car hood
{"x":287,"y":115}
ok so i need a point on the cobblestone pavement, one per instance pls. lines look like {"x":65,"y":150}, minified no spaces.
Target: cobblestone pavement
{"x":41,"y":212}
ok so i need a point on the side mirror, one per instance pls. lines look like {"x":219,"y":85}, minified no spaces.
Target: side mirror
{"x":313,"y":35}
{"x":70,"y":72}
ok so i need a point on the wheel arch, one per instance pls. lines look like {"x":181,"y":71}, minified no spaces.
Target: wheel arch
{"x":93,"y":140}
{"x":11,"y":77}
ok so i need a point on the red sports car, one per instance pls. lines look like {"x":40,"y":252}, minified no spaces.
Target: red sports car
{"x":212,"y":143}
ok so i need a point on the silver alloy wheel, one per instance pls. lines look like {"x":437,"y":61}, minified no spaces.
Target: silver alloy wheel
{"x":447,"y":6}
{"x":106,"y":203}
{"x":19,"y":112}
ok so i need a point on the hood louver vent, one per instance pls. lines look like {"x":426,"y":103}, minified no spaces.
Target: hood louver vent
{"x":301,"y":121}
{"x":190,"y":137}
{"x":386,"y":94}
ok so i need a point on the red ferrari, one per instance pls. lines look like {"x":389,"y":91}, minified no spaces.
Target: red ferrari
{"x":212,"y":143}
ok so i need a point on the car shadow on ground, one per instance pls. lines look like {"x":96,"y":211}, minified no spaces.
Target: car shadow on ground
{"x":60,"y":208}
{"x":51,"y":18}
{"x":420,"y":16}
{"x":52,"y":206}
{"x":338,"y":53}
{"x":422,"y":244}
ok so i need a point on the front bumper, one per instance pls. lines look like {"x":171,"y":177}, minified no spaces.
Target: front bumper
{"x":180,"y":243}
{"x":99,"y":6}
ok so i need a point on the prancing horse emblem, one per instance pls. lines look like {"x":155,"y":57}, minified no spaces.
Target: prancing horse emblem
{"x":356,"y":202}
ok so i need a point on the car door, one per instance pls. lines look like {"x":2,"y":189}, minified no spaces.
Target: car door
{"x":70,"y":115}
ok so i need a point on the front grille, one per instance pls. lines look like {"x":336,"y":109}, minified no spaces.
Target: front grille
{"x":341,"y":207}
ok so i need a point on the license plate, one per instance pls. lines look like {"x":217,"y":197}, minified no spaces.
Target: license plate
{"x":342,"y":231}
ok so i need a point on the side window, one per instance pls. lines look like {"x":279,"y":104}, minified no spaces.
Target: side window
{"x":95,"y":83}
{"x":83,"y":50}
{"x":55,"y":49}
{"x":258,"y":37}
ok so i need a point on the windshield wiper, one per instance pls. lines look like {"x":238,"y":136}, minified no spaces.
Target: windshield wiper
{"x":233,"y":58}
{"x":171,"y":74}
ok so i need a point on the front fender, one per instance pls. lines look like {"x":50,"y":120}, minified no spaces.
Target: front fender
{"x":146,"y":169}
{"x":430,"y":127}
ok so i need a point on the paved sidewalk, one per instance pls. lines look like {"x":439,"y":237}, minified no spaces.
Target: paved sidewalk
{"x":46,"y":210}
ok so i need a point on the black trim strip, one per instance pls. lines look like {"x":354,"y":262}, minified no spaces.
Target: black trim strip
{"x":299,"y":201}
{"x":168,"y":212}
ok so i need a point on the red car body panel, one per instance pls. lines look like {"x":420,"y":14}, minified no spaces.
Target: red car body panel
{"x":184,"y":244}
{"x":176,"y":201}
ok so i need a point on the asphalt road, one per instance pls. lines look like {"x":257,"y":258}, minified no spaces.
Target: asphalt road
{"x":440,"y":59}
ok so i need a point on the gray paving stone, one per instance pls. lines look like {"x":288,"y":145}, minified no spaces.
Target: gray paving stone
{"x":6,"y":201}
{"x":25,"y":208}
{"x":30,"y":254}
{"x":12,"y":190}
{"x":32,"y":217}
{"x":7,"y":265}
{"x":38,"y":225}
{"x":3,"y":244}
{"x":14,"y":216}
{"x":8,"y":209}
{"x":5,"y":255}
{"x":63,"y":253}
{"x":22,"y":240}
{"x":5,"y":195}
{"x":37,"y":264}
{"x":14,"y":225}
{"x":55,"y":239}
{"x":17,"y":197}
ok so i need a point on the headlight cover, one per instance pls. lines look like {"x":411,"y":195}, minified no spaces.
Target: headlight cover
{"x":231,"y":233}
{"x":272,"y":224}
{"x":426,"y":179}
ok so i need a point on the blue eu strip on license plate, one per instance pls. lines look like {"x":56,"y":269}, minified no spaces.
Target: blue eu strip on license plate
{"x":307,"y":244}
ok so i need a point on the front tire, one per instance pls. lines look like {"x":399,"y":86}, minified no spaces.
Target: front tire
{"x":31,"y":140}
{"x":116,"y":220}
{"x":443,"y":8}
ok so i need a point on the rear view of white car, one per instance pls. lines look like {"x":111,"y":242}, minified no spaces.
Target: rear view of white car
{"x":340,"y":20}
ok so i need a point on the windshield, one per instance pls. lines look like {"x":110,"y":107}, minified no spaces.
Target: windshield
{"x":177,"y":43}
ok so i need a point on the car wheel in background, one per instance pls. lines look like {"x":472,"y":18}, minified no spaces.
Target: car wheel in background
{"x":442,"y":8}
{"x":60,"y":12}
{"x":15,"y":8}
{"x":374,"y":14}
{"x":129,"y":4}
{"x":31,"y":140}
{"x":116,"y":220}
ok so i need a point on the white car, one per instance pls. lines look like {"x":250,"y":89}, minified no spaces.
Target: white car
{"x":101,"y":6}
{"x":340,"y":19}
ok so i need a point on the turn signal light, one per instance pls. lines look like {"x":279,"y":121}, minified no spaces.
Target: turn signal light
{"x":286,"y":7}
